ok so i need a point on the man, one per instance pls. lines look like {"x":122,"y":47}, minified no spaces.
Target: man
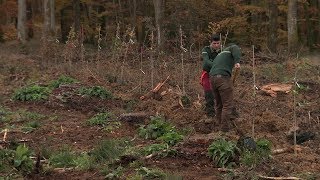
{"x":222,"y":87}
{"x":208,"y":55}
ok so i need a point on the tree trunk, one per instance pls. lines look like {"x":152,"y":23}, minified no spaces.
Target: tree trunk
{"x":46,"y":10}
{"x":292,"y":26}
{"x":22,"y":15}
{"x":52,"y":18}
{"x":273,"y":24}
{"x":318,"y":25}
{"x":134,"y":18}
{"x":309,"y":27}
{"x":29,"y":23}
{"x":159,"y":11}
{"x":76,"y":15}
{"x":63,"y":26}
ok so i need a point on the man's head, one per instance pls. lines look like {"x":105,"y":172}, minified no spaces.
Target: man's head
{"x":215,"y":42}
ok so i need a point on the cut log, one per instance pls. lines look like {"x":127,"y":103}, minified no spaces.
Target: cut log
{"x":154,"y":90}
{"x":274,"y":88}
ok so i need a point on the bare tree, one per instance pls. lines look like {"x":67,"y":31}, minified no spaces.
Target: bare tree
{"x":134,"y":17}
{"x":273,"y":15}
{"x":292,"y":25}
{"x":76,"y":15}
{"x":159,"y":13}
{"x":46,"y":10}
{"x":52,"y":17}
{"x":22,"y":16}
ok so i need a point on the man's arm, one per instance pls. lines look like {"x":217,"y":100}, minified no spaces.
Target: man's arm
{"x":207,"y":63}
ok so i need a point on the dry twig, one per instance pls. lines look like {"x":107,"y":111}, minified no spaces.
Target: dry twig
{"x":279,"y":178}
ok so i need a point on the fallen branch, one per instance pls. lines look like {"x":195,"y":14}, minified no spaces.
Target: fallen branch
{"x":154,"y":90}
{"x":93,"y":75}
{"x":19,"y":141}
{"x":279,"y":178}
{"x":5,"y":135}
{"x":62,"y":170}
{"x":287,"y":150}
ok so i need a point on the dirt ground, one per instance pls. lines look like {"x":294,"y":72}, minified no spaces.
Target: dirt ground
{"x":273,"y":117}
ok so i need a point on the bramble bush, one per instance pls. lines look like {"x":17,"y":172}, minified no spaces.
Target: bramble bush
{"x":95,"y":91}
{"x":161,"y":130}
{"x":62,"y":80}
{"x":32,"y":93}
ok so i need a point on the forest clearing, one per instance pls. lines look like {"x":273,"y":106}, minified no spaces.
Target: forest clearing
{"x":89,"y":107}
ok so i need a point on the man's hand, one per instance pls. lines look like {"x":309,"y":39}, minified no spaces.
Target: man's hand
{"x":237,"y":65}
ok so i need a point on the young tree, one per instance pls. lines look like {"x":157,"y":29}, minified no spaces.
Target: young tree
{"x":22,"y":16}
{"x":292,"y":25}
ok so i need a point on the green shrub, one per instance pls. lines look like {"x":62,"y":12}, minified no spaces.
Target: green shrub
{"x":264,"y":145}
{"x":63,"y":159}
{"x":130,"y":104}
{"x":4,"y":113}
{"x":171,"y":138}
{"x":32,"y":93}
{"x":84,"y":162}
{"x":5,"y":159}
{"x":22,"y":160}
{"x":151,"y":173}
{"x":96,"y":91}
{"x":161,"y":130}
{"x":157,"y":128}
{"x":100,"y":119}
{"x":26,"y":115}
{"x":31,"y":126}
{"x":163,"y":150}
{"x":62,"y":80}
{"x":104,"y":120}
{"x":222,"y":152}
{"x":108,"y":150}
{"x":115,"y":174}
{"x":262,"y":152}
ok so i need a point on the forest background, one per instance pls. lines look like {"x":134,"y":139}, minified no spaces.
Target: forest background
{"x":272,"y":26}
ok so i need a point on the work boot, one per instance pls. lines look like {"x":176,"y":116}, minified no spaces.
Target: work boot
{"x":209,"y":104}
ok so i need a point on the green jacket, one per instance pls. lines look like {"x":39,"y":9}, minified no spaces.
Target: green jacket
{"x":208,"y":56}
{"x":225,"y":61}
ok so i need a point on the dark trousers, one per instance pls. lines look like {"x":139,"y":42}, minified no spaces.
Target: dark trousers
{"x":223,"y":93}
{"x":209,"y":104}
